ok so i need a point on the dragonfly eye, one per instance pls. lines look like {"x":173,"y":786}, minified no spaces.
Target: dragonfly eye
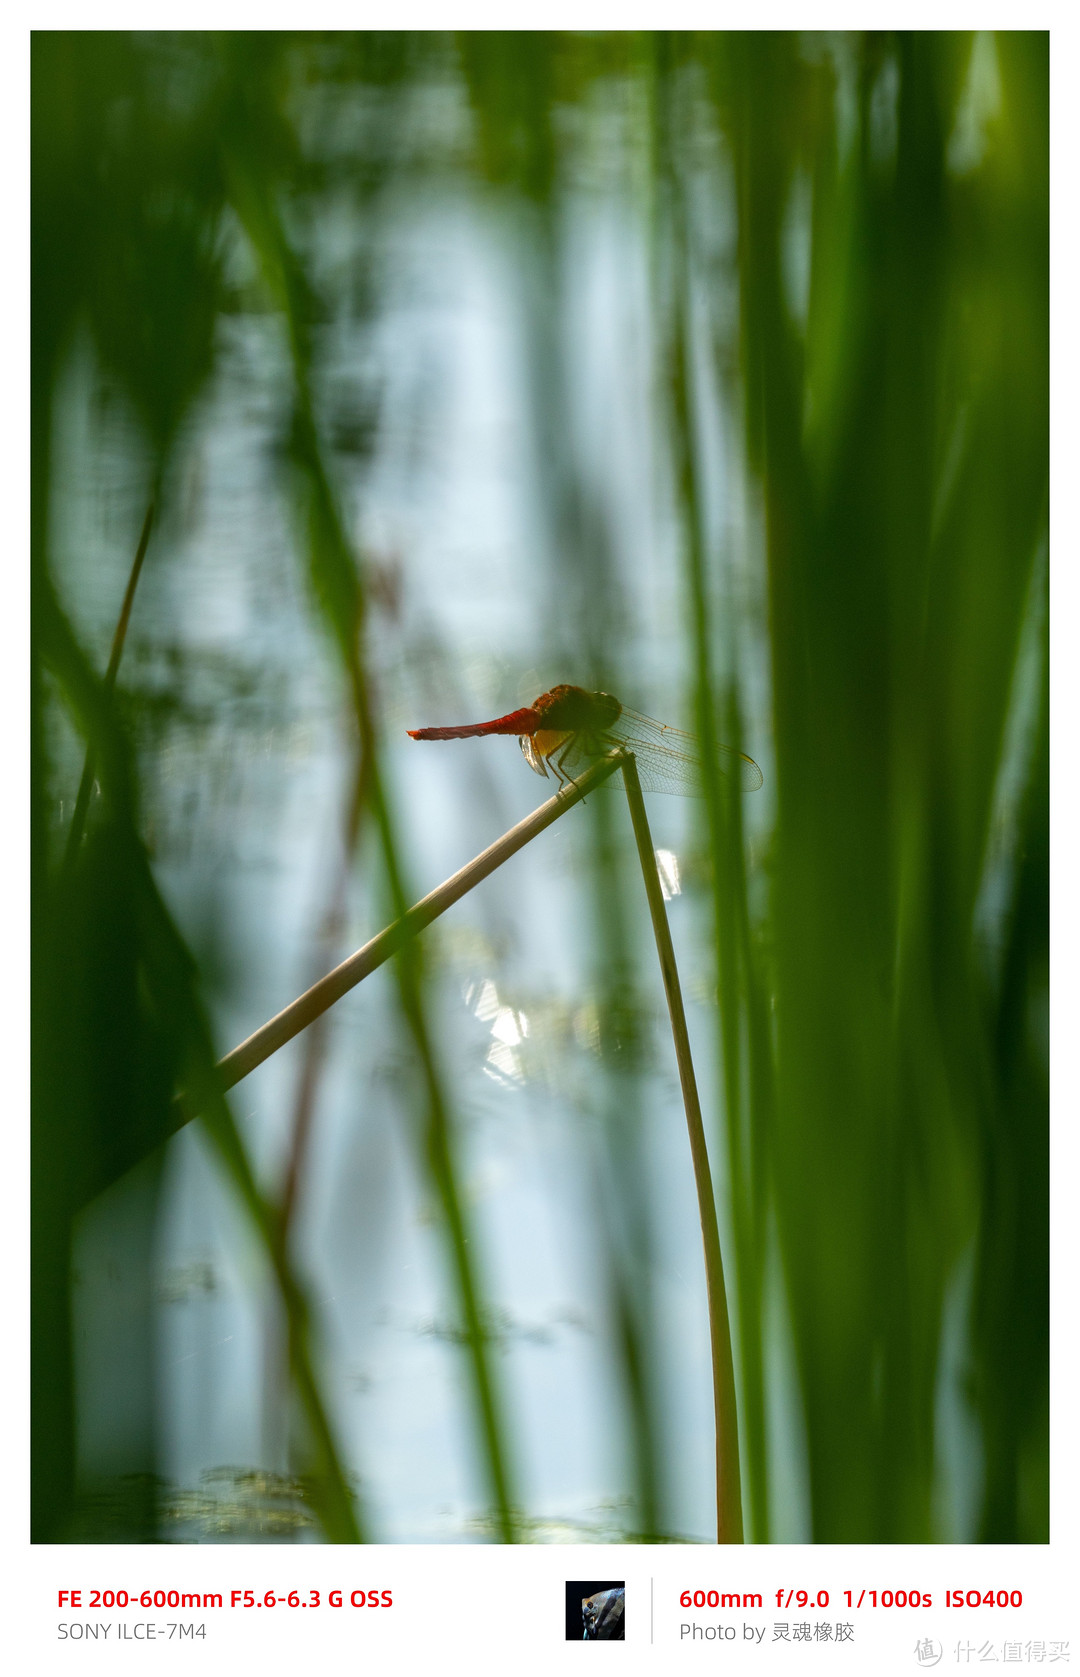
{"x":608,"y":709}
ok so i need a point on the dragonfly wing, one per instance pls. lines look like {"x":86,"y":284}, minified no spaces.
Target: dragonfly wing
{"x":666,"y":771}
{"x":631,"y":728}
{"x":660,"y":771}
{"x":579,"y":751}
{"x":532,"y":756}
{"x":669,"y":760}
{"x":750,"y":776}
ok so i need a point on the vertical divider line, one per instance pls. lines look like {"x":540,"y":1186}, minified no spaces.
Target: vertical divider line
{"x":729,"y":1524}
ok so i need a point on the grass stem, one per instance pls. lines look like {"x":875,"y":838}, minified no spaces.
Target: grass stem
{"x":330,"y":988}
{"x":729,"y":1523}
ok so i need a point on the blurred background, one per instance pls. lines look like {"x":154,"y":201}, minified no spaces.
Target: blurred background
{"x":385,"y":380}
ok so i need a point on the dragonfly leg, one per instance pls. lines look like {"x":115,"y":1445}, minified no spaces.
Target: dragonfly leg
{"x":559,"y":764}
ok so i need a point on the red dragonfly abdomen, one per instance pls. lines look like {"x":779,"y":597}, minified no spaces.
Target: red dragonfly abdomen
{"x":565,"y":710}
{"x":516,"y":722}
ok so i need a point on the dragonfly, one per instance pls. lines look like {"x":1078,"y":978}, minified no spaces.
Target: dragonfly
{"x":565,"y":730}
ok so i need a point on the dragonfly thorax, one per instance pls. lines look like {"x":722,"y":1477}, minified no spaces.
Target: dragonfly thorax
{"x":574,"y":710}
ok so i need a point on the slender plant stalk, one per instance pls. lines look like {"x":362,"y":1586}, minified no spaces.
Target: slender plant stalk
{"x":329,"y":989}
{"x":729,"y":1523}
{"x":86,"y":784}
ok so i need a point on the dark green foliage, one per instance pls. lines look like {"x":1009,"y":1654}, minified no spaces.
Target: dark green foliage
{"x":902,"y":448}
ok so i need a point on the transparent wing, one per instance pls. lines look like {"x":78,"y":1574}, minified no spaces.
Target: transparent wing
{"x":670,"y":761}
{"x":659,"y":769}
{"x":662,"y":770}
{"x":532,"y":756}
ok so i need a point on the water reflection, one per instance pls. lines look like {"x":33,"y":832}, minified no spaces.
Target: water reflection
{"x":667,"y":866}
{"x":508,"y":1028}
